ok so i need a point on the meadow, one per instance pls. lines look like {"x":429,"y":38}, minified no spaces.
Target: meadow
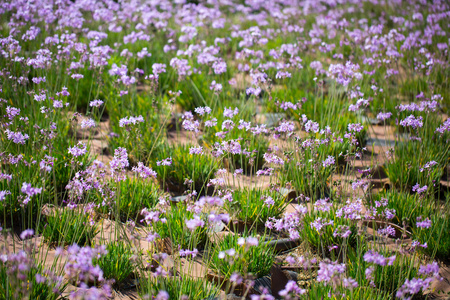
{"x":224,"y":149}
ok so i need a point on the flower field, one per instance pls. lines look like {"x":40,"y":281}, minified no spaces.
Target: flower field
{"x":224,"y":149}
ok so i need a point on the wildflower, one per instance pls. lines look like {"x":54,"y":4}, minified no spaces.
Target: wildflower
{"x":217,"y":87}
{"x":78,"y":150}
{"x":291,"y":290}
{"x":3,"y":195}
{"x":350,"y":283}
{"x":127,"y":121}
{"x":273,"y":159}
{"x":29,"y":191}
{"x":89,"y":123}
{"x":230,"y":113}
{"x":423,"y":224}
{"x":187,"y":252}
{"x":95,"y":103}
{"x":119,"y":162}
{"x":16,"y":137}
{"x":12,"y":112}
{"x":202,"y":110}
{"x":412,"y":122}
{"x":384,"y":116}
{"x":388,"y":231}
{"x":144,"y":172}
{"x":26,"y":234}
{"x":342,"y":231}
{"x":165,"y":162}
{"x":196,"y":150}
{"x":419,"y":190}
{"x":328,"y":162}
{"x":376,"y":258}
{"x":236,"y":278}
{"x":269,"y":201}
{"x":319,"y":223}
{"x":77,"y":76}
{"x":330,"y":272}
{"x":429,"y":164}
{"x":194,"y":223}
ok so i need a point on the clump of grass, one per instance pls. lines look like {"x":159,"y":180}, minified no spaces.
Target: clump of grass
{"x":130,"y":197}
{"x":437,"y":236}
{"x":176,"y":230}
{"x":256,"y":206}
{"x":304,"y":171}
{"x":68,"y":226}
{"x":23,"y":276}
{"x":386,"y":278}
{"x":177,"y":287}
{"x":119,"y":263}
{"x":234,"y":254}
{"x":186,"y":171}
{"x":408,"y":207}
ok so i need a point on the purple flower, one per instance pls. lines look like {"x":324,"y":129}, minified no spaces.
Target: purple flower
{"x":127,"y":121}
{"x":423,"y":224}
{"x":355,"y":127}
{"x":12,"y":112}
{"x":16,"y":137}
{"x":419,"y":190}
{"x":95,"y":103}
{"x":412,"y":122}
{"x":217,"y":87}
{"x":30,"y":191}
{"x":273,"y":159}
{"x":236,"y":278}
{"x":266,"y":172}
{"x":330,"y":272}
{"x":342,"y":231}
{"x":384,"y":116}
{"x":162,"y":295}
{"x":328,"y":162}
{"x":3,"y":194}
{"x":187,"y":252}
{"x":388,"y":231}
{"x":89,"y":123}
{"x":444,"y":127}
{"x":428,"y":165}
{"x":319,"y":223}
{"x":219,"y":66}
{"x":202,"y":110}
{"x":291,"y":290}
{"x":78,"y":150}
{"x":119,"y":162}
{"x":26,"y":234}
{"x":165,"y":162}
{"x":144,"y":172}
{"x":194,"y":223}
{"x":350,"y":283}
{"x":229,"y":113}
{"x":376,"y":258}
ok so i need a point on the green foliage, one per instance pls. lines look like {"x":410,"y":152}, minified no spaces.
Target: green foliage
{"x":407,"y":206}
{"x":437,"y":236}
{"x":176,"y":230}
{"x":195,"y":167}
{"x":247,"y":259}
{"x":68,"y":226}
{"x":131,"y":196}
{"x":387,"y":278}
{"x":22,"y":284}
{"x":177,"y":287}
{"x":119,"y":263}
{"x":249,"y":206}
{"x":324,"y":238}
